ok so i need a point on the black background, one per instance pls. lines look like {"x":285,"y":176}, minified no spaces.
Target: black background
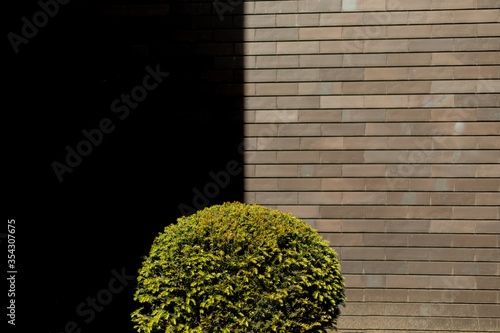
{"x":104,"y":215}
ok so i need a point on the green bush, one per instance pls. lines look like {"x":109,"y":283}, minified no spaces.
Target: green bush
{"x":239,"y":268}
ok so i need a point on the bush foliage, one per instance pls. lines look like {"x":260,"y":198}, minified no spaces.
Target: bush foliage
{"x":239,"y":268}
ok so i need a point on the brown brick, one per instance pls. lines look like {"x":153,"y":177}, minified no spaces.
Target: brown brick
{"x":387,"y":129}
{"x":432,"y":129}
{"x":452,"y":254}
{"x":458,"y":226}
{"x":365,"y":281}
{"x":397,"y":73}
{"x":321,"y":143}
{"x":352,"y":267}
{"x":277,"y":61}
{"x":301,"y":212}
{"x":381,"y":45}
{"x":338,"y":239}
{"x":277,"y":88}
{"x":475,"y":268}
{"x":488,"y":114}
{"x":302,"y":74}
{"x":341,"y":156}
{"x":260,"y":75}
{"x":408,"y":5}
{"x":305,"y":47}
{"x":297,"y":20}
{"x":340,"y":102}
{"x":259,"y":21}
{"x":276,"y":171}
{"x":488,"y":310}
{"x":363,"y":115}
{"x":461,"y":86}
{"x":276,"y":34}
{"x":362,"y":60}
{"x":487,"y":227}
{"x":409,"y":87}
{"x":362,"y":225}
{"x":409,"y":142}
{"x":408,"y":115}
{"x":262,"y":184}
{"x":320,"y":198}
{"x":477,"y":72}
{"x":407,"y":226}
{"x":453,"y":4}
{"x":365,"y":253}
{"x":361,"y":170}
{"x":260,"y":157}
{"x":344,"y":46}
{"x":453,"y":170}
{"x":430,"y":296}
{"x":431,"y":73}
{"x":490,"y":185}
{"x":388,"y":212}
{"x":341,"y":212}
{"x":298,"y":157}
{"x":430,"y":156}
{"x":451,"y":310}
{"x":426,"y":45}
{"x":407,"y":254}
{"x":476,"y":156}
{"x":419,"y":17}
{"x":362,"y":88}
{"x":454,"y":115}
{"x":409,"y":59}
{"x":320,"y":88}
{"x":490,"y":29}
{"x":430,"y":268}
{"x":429,"y":212}
{"x":401,"y":31}
{"x":277,"y":143}
{"x":279,"y":116}
{"x":436,"y":184}
{"x":389,"y":240}
{"x":311,"y":170}
{"x":450,"y":199}
{"x":453,"y":282}
{"x":454,"y":30}
{"x":388,"y":184}
{"x":408,"y":198}
{"x":388,"y":101}
{"x":487,"y":199}
{"x":364,"y":198}
{"x":454,"y":142}
{"x":302,"y":102}
{"x":487,"y":254}
{"x":274,"y":7}
{"x":260,"y":102}
{"x":488,"y":171}
{"x":343,"y":129}
{"x":327,"y":225}
{"x":329,"y":19}
{"x":477,"y":44}
{"x":474,"y":296}
{"x":455,"y":58}
{"x":343,"y":184}
{"x":408,"y":170}
{"x":475,"y":213}
{"x":261,"y":130}
{"x":282,"y":198}
{"x":386,"y":295}
{"x":475,"y":240}
{"x":322,"y":33}
{"x":385,"y":156}
{"x":299,"y":129}
{"x":320,"y":116}
{"x":364,"y":32}
{"x":385,"y":267}
{"x":408,"y":281}
{"x":365,"y":143}
{"x":342,"y":74}
{"x":321,"y":6}
{"x":320,"y":60}
{"x":473,"y":16}
{"x":477,"y":129}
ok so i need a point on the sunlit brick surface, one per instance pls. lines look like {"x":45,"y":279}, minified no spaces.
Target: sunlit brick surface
{"x":378,"y":122}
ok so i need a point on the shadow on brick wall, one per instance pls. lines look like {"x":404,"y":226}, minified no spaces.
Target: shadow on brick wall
{"x":121,"y":118}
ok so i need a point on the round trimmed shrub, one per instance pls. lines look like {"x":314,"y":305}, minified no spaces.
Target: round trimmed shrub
{"x":239,"y":268}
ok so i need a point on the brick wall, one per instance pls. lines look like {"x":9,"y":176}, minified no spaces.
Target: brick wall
{"x":378,"y":122}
